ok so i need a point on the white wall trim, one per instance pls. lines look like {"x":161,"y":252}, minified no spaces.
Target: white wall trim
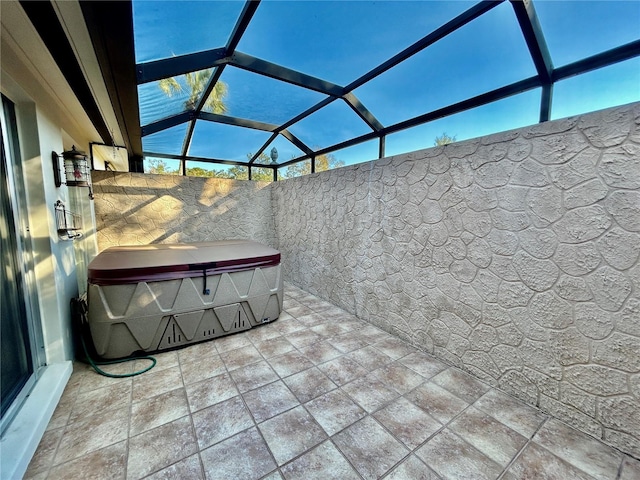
{"x":21,"y":439}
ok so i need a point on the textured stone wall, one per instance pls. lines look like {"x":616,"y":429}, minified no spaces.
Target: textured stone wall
{"x":513,"y":256}
{"x":138,"y":209}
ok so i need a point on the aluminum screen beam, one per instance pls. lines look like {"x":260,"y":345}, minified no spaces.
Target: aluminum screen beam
{"x":241,"y":25}
{"x":296,"y":141}
{"x":174,"y":66}
{"x":604,"y":59}
{"x":537,"y":45}
{"x":477,"y":101}
{"x":273,"y":70}
{"x":438,"y":34}
{"x":238,"y":122}
{"x":168,"y":122}
{"x":289,"y":136}
{"x":238,"y":30}
{"x":382,"y":146}
{"x":461,"y":20}
{"x":308,"y":112}
{"x":362,"y":111}
{"x":532,"y":31}
{"x":262,"y":148}
{"x":546,"y":77}
{"x":546,"y":102}
{"x":186,"y":144}
{"x":197,"y":159}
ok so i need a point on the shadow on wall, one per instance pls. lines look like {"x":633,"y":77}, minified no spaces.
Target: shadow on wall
{"x":138,"y":209}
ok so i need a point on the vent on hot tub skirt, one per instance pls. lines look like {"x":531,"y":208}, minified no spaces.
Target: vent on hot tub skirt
{"x":206,"y":324}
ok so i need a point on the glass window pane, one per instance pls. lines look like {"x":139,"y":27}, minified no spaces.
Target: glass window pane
{"x":171,"y":96}
{"x":217,"y":170}
{"x":488,"y":53}
{"x":296,"y":170}
{"x":161,"y":166}
{"x":260,"y":174}
{"x":237,"y":172}
{"x":578,"y":29}
{"x":363,"y":152}
{"x":607,"y":87}
{"x":264,"y":158}
{"x":341,"y":41}
{"x":264,"y":99}
{"x":206,"y":169}
{"x":509,"y":113}
{"x":168,"y":28}
{"x":330,"y":125}
{"x":167,"y":141}
{"x":225,"y":142}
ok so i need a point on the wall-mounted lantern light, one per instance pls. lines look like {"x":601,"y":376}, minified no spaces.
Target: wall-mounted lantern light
{"x":77,"y":172}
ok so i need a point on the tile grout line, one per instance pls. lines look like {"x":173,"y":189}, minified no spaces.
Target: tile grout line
{"x":74,"y":403}
{"x":255,"y":424}
{"x":456,"y":416}
{"x":562,"y":459}
{"x":619,"y":474}
{"x":521,"y":451}
{"x":189,"y":414}
{"x":338,"y":387}
{"x":367,"y":414}
{"x":128,"y":443}
{"x":193,"y":427}
{"x":385,"y":404}
{"x":303,"y":404}
{"x":66,"y":426}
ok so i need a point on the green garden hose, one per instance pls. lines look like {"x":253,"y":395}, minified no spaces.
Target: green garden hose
{"x":113,"y":362}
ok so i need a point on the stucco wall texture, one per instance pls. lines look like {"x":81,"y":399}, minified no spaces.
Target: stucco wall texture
{"x":512,"y":256}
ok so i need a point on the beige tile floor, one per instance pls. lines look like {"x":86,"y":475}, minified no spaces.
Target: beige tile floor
{"x":316,"y":394}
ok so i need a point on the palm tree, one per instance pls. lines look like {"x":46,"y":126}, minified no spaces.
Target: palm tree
{"x":195,"y":83}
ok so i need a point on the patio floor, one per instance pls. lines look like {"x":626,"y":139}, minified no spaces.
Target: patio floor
{"x":316,"y":394}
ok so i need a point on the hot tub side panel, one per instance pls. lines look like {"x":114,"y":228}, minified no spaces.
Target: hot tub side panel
{"x":151,"y":316}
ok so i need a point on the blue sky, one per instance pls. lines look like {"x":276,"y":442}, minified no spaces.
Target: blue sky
{"x":341,"y":40}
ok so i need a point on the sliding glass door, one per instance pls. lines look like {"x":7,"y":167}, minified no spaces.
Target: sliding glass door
{"x":17,"y":346}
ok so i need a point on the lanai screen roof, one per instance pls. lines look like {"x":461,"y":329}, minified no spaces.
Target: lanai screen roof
{"x":224,"y":82}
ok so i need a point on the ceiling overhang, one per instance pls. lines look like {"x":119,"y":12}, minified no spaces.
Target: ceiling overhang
{"x":102,"y":73}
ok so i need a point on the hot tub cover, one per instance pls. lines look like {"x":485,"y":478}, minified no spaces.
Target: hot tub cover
{"x":145,"y":263}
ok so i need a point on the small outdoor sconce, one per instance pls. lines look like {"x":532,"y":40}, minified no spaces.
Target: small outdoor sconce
{"x":77,"y":172}
{"x":274,"y":156}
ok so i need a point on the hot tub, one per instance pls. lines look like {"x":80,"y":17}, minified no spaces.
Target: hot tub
{"x":157,"y":297}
